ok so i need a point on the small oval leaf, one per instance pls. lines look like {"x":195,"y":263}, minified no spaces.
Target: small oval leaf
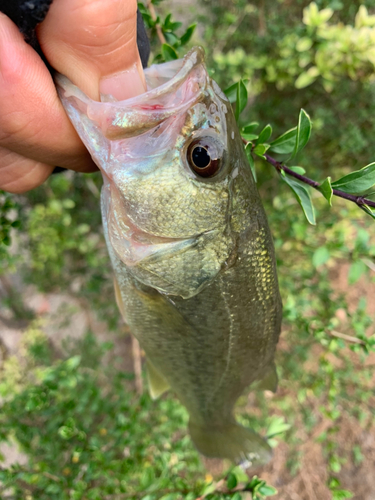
{"x":303,"y":132}
{"x":231,"y":481}
{"x":284,"y":144}
{"x":250,"y":128}
{"x":168,"y":52}
{"x":188,"y":34}
{"x":265,"y":134}
{"x":251,"y":160}
{"x":320,"y":257}
{"x":303,"y":198}
{"x":241,"y":98}
{"x":326,"y":189}
{"x":298,"y":170}
{"x":260,"y":149}
{"x":357,"y":182}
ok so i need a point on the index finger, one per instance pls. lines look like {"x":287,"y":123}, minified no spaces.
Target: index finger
{"x":33,"y":122}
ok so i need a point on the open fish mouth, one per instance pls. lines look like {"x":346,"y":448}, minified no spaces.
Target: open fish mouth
{"x":169,"y":93}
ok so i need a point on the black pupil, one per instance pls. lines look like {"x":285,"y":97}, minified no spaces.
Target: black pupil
{"x":201,"y":157}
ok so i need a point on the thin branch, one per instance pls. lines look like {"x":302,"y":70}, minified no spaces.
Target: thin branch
{"x":358,"y":200}
{"x":51,"y":476}
{"x":369,"y":264}
{"x":348,"y":338}
{"x":159,"y":31}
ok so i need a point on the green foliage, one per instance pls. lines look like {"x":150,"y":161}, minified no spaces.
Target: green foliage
{"x":164,"y":32}
{"x":88,"y":436}
{"x":9,"y":219}
{"x":319,"y":50}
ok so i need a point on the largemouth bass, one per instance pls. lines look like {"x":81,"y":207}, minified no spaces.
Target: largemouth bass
{"x":189,"y":243}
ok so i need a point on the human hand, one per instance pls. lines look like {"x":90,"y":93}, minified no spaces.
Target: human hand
{"x":93,"y":43}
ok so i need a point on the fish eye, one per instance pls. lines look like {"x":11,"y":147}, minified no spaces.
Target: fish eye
{"x":204,"y":157}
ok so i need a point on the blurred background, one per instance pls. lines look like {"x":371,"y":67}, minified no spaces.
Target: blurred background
{"x":73,"y":424}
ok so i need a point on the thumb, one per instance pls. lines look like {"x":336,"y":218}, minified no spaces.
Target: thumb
{"x":94,"y":44}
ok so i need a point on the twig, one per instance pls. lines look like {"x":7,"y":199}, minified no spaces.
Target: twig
{"x":137,"y":365}
{"x":358,"y":200}
{"x":159,"y":31}
{"x":51,"y":476}
{"x":369,"y":264}
{"x":348,"y":338}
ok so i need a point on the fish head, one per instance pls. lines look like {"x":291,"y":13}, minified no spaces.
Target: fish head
{"x":169,"y":158}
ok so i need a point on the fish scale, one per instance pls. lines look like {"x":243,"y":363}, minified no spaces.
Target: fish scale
{"x":192,"y":252}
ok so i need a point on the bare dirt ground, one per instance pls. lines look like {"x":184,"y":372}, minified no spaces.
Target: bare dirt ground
{"x":66,"y":317}
{"x":309,"y":482}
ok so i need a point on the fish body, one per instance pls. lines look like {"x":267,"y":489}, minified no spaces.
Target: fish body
{"x":189,"y":243}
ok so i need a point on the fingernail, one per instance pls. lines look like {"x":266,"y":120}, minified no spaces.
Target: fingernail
{"x":124,"y":85}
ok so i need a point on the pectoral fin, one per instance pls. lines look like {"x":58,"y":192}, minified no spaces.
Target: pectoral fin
{"x":270,"y":379}
{"x":156,"y":382}
{"x":118,"y":297}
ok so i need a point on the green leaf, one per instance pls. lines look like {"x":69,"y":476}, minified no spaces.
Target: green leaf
{"x":231,"y":481}
{"x":267,"y":491}
{"x":326,"y":189}
{"x":355,"y":271}
{"x":248,"y":132}
{"x":168,"y":52}
{"x":250,"y":137}
{"x":240,"y":474}
{"x":341,"y":494}
{"x":231,"y":93}
{"x":171,"y":38}
{"x":303,"y":198}
{"x":188,"y":34}
{"x":255,"y":481}
{"x":303,"y":132}
{"x":277,"y":426}
{"x":284,"y":144}
{"x":320,"y":257}
{"x":251,"y":160}
{"x":265,"y":134}
{"x":250,"y":128}
{"x":370,"y":211}
{"x":357,"y":182}
{"x":304,"y":44}
{"x":298,"y":170}
{"x":307,"y":78}
{"x":167,"y":20}
{"x":241,"y":98}
{"x":260,"y":149}
{"x":73,"y":362}
{"x":208,"y":489}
